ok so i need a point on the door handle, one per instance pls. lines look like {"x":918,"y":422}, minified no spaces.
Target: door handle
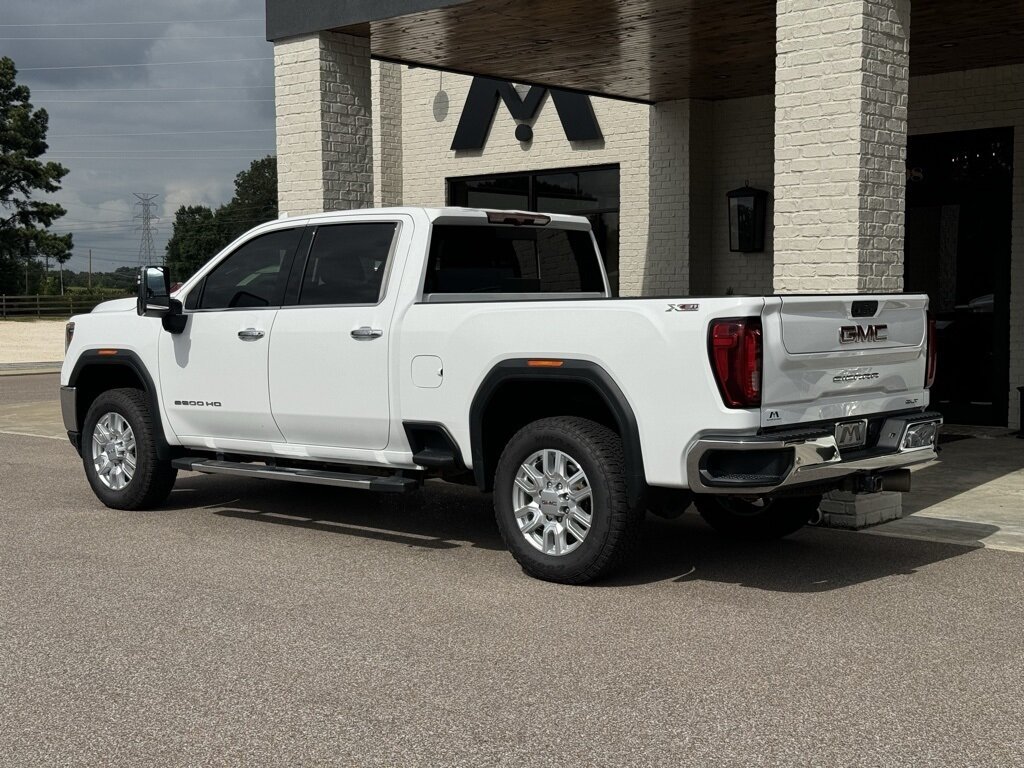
{"x":367,"y":333}
{"x":250,"y":334}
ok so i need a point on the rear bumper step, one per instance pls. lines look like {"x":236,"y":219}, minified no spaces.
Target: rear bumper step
{"x":765,"y":464}
{"x":384,"y":484}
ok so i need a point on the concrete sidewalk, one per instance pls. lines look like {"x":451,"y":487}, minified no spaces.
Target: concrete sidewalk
{"x":973,"y":495}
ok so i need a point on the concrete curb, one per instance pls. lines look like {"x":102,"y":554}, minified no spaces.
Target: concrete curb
{"x":24,"y":369}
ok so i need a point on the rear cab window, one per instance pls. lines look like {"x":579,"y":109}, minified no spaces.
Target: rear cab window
{"x":477,"y":262}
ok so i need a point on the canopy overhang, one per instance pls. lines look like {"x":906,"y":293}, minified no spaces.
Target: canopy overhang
{"x":643,"y":50}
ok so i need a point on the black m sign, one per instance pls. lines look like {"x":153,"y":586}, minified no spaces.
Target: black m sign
{"x":574,"y":111}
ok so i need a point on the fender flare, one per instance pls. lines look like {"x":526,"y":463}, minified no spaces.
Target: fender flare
{"x":577,"y":371}
{"x":125,"y":358}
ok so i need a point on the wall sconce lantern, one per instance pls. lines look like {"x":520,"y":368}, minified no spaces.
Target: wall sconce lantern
{"x":747,"y":207}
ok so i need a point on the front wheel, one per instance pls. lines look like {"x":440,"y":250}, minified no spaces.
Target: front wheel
{"x":560,"y":500}
{"x":757,"y":519}
{"x":119,"y":451}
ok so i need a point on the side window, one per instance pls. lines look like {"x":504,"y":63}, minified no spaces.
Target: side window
{"x":347,"y":264}
{"x":254,"y":275}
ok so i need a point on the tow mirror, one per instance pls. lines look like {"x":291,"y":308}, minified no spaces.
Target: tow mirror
{"x":155,"y":298}
{"x":154,"y":292}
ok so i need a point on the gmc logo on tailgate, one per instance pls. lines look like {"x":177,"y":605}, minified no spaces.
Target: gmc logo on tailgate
{"x":855,"y":334}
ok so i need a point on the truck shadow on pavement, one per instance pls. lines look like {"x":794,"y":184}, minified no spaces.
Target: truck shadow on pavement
{"x":811,"y":560}
{"x":442,"y":516}
{"x":447,"y":517}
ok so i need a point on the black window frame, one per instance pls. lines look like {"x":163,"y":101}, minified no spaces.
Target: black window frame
{"x":199,"y":291}
{"x":296,"y":279}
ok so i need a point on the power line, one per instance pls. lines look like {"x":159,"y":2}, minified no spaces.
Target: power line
{"x":157,"y":133}
{"x":147,"y":101}
{"x":146,"y":206}
{"x":113,"y":23}
{"x":162,"y":37}
{"x":155,"y":88}
{"x":145,"y":64}
{"x":161,"y":158}
{"x":101,"y":152}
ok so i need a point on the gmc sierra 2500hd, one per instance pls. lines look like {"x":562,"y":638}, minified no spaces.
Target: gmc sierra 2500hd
{"x":375,"y":349}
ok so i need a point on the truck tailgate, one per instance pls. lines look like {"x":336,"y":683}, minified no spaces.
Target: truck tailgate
{"x":830,"y":357}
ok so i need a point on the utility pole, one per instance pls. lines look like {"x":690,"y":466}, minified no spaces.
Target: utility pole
{"x":145,"y":215}
{"x":90,"y":269}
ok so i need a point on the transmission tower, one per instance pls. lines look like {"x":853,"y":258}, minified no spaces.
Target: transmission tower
{"x":146,"y":207}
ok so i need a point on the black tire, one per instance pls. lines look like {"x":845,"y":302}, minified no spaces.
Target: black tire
{"x":615,"y":528}
{"x":759,"y":520}
{"x":153,"y":479}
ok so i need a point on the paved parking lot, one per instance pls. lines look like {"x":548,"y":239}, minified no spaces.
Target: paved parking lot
{"x":253,"y":623}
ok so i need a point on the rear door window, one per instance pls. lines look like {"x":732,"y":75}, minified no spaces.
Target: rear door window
{"x":511,"y":260}
{"x":347,"y":263}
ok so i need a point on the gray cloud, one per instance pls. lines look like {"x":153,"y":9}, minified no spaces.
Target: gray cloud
{"x":89,"y":122}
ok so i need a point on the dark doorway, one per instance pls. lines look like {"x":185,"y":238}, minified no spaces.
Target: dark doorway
{"x":957,"y":250}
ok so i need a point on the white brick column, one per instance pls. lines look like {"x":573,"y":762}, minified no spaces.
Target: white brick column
{"x":387,"y":134}
{"x":666,"y":268}
{"x":324,"y":127}
{"x":841,"y":82}
{"x":841,"y":77}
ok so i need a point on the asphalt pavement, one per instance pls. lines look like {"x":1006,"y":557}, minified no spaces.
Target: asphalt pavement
{"x":257,"y":623}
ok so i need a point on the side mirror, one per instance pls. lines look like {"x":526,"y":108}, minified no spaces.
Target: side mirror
{"x":155,"y":299}
{"x":154,"y":292}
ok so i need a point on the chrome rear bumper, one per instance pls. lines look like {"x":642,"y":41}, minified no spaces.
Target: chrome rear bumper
{"x":764,"y":464}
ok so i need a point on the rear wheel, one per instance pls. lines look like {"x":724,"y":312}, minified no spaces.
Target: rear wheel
{"x":560,"y":500}
{"x":758,"y":519}
{"x":119,"y":452}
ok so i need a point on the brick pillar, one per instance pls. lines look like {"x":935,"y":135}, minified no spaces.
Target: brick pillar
{"x":666,"y":270}
{"x":387,"y":134}
{"x":841,"y":77}
{"x":324,"y":128}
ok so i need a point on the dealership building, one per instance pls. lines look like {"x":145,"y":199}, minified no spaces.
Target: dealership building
{"x":881,"y":140}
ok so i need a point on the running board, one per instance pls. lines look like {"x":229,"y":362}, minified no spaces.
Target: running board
{"x":381,"y":483}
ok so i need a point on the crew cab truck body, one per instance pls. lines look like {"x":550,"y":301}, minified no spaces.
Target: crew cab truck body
{"x":374,"y":349}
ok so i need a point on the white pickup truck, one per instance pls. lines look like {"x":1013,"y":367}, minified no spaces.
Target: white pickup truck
{"x":376,"y":349}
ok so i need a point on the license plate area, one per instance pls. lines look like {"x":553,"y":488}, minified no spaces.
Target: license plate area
{"x":852,"y":434}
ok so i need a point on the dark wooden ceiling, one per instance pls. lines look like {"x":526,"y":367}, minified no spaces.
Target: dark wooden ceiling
{"x":656,"y":50}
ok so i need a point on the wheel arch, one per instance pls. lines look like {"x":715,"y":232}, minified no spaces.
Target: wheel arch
{"x":595,"y":395}
{"x":95,"y":373}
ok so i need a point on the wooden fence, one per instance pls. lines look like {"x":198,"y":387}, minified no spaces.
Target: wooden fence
{"x":50,"y":306}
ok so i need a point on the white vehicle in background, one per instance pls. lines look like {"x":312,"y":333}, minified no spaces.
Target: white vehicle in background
{"x":376,"y":349}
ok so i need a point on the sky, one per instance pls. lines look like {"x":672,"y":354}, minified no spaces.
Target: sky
{"x":132,"y":109}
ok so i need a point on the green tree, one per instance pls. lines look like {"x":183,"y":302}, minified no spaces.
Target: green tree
{"x":199,"y":233}
{"x":255,"y":200}
{"x":24,"y":221}
{"x":195,"y":237}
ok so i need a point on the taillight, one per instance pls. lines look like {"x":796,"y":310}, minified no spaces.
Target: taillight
{"x":932,"y":352}
{"x":734,"y":345}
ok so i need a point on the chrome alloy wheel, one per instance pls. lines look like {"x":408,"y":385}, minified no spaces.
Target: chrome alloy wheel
{"x":113,"y":451}
{"x":552,"y":502}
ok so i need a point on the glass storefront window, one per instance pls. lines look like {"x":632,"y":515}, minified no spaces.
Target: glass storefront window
{"x":589,"y":191}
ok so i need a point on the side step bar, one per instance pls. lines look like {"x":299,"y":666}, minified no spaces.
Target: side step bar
{"x":385,"y":484}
